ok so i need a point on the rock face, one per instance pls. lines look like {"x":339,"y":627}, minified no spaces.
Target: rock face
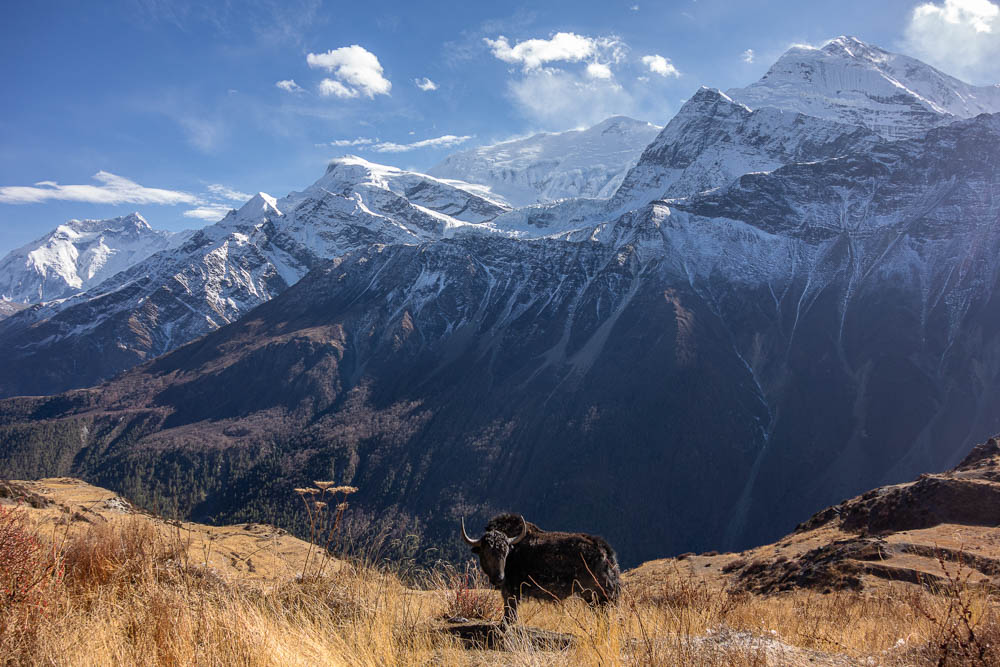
{"x":681,"y":374}
{"x":78,"y":256}
{"x":8,"y":308}
{"x":547,"y":167}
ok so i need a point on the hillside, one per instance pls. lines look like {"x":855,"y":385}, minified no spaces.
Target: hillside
{"x":902,"y":575}
{"x":65,"y":507}
{"x":927,"y":532}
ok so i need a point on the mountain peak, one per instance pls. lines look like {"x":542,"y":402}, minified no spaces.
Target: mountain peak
{"x":78,"y":255}
{"x":853,"y":47}
{"x":135,"y":221}
{"x":546,"y":167}
{"x":851,"y":81}
{"x":260,"y":204}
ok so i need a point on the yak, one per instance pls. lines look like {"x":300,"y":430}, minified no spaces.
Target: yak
{"x":522,"y":560}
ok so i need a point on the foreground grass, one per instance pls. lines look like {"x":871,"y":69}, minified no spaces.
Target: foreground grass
{"x":120,"y":593}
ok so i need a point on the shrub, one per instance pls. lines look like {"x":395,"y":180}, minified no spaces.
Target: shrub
{"x":127,"y":552}
{"x":28,"y":572}
{"x":472,"y":598}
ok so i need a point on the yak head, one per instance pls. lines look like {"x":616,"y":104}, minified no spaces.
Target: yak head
{"x":492,"y":549}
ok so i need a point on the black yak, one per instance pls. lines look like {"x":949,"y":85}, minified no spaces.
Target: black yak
{"x":521,"y":559}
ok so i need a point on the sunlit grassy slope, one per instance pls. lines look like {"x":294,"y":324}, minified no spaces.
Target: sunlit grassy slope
{"x":120,"y":587}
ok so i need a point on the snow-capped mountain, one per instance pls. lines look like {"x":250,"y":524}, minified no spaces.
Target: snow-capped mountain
{"x":550,"y":166}
{"x":739,"y":357}
{"x":224,"y":270}
{"x":779,"y":310}
{"x":714,"y":139}
{"x":77,"y":256}
{"x":852,"y":82}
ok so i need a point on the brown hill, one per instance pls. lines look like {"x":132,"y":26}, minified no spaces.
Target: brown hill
{"x":64,"y":507}
{"x":937,"y":529}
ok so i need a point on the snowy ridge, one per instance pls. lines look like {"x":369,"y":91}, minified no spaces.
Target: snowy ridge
{"x":588,"y":163}
{"x":220,"y":272}
{"x":726,"y":194}
{"x":714,"y":139}
{"x":849,"y":81}
{"x":78,"y":255}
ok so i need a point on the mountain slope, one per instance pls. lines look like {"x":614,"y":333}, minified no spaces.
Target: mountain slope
{"x":224,"y":270}
{"x":546,"y":167}
{"x":706,"y":368}
{"x":78,"y":256}
{"x":414,"y":372}
{"x":852,"y":82}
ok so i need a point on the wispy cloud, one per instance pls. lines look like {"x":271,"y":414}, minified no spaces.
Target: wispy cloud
{"x":355,"y":69}
{"x":657,"y":64}
{"x":342,"y":143}
{"x":425,"y":84}
{"x":209,"y":212}
{"x":747,"y":56}
{"x":113,"y":190}
{"x":220,"y":191}
{"x":290,"y":86}
{"x":959,"y":36}
{"x":446,"y":141}
{"x":559,"y":99}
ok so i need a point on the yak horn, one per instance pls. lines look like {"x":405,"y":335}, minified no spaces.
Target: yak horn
{"x":524,"y":532}
{"x":468,"y":540}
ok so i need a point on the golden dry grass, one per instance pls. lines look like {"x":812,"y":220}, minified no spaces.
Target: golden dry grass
{"x":133,"y":594}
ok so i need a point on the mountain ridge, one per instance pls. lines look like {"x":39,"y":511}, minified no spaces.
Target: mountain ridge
{"x":77,"y":256}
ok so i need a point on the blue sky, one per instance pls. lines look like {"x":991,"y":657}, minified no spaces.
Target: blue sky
{"x":179,"y":109}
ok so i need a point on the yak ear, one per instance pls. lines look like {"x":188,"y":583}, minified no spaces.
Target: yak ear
{"x":476,"y":550}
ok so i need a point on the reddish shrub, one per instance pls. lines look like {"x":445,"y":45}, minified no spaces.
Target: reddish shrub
{"x":473,"y":598}
{"x":27,"y":572}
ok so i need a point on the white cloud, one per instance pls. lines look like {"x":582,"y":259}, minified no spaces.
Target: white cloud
{"x":960,"y":36}
{"x":561,"y":47}
{"x":558,"y":99}
{"x":358,"y":72}
{"x":425,"y":84}
{"x":220,"y":191}
{"x":328,"y":87}
{"x":360,"y":141}
{"x":210,"y":212}
{"x":598,"y":71}
{"x":747,"y":56}
{"x":289,"y":85}
{"x":634,"y":8}
{"x":114,"y":190}
{"x":657,"y":64}
{"x":446,"y":141}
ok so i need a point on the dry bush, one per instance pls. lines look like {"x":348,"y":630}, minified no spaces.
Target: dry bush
{"x":29,"y":579}
{"x":966,"y":625}
{"x":127,"y":551}
{"x":470,"y":596}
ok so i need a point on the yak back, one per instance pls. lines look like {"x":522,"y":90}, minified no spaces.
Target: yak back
{"x":510,"y":524}
{"x":558,"y":561}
